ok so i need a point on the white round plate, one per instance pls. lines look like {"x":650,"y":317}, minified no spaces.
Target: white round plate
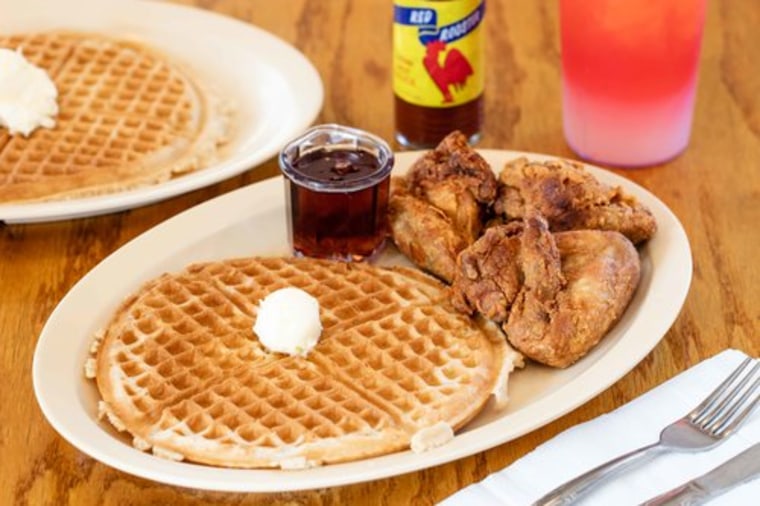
{"x":251,"y":221}
{"x":275,"y":90}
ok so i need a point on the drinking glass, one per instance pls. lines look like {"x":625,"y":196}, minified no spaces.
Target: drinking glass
{"x":629,"y":77}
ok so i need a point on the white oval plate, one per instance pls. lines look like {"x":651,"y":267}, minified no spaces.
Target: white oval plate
{"x":251,"y":221}
{"x":276,"y":91}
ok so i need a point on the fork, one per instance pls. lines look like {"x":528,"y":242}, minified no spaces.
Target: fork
{"x":704,"y":427}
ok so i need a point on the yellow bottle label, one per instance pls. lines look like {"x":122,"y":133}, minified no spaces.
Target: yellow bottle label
{"x":438,"y":51}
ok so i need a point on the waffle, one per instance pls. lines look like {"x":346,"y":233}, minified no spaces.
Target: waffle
{"x":180,"y":369}
{"x":127,"y":117}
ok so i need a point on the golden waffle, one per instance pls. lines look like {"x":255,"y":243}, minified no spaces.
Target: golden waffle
{"x":127,"y":117}
{"x":180,"y":368}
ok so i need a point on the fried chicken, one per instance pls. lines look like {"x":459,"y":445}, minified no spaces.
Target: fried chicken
{"x":453,"y":158}
{"x":492,"y":272}
{"x":437,"y":209}
{"x":571,"y":199}
{"x":424,"y":234}
{"x":555,"y":264}
{"x":555,"y":295}
{"x":460,"y":206}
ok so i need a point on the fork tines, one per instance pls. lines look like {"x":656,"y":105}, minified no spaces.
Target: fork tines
{"x":720,"y":413}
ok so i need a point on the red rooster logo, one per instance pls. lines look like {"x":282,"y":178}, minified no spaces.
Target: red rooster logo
{"x":454,"y":71}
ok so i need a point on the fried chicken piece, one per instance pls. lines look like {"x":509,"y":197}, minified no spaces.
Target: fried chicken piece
{"x":424,"y":234}
{"x":492,"y":271}
{"x":602,"y":271}
{"x":454,"y":158}
{"x":571,"y":199}
{"x":556,"y":295}
{"x":459,"y":205}
{"x":436,"y":210}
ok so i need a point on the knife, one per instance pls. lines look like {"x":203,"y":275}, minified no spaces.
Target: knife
{"x":737,"y":470}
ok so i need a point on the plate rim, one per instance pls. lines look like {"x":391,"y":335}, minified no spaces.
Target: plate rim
{"x":601,"y":375}
{"x":229,"y":165}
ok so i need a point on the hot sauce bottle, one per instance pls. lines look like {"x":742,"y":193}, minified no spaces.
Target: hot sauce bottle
{"x":438,"y":74}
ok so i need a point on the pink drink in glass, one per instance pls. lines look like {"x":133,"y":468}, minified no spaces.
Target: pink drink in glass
{"x":629,"y":76}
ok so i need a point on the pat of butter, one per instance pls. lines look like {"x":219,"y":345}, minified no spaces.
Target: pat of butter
{"x":27,"y":95}
{"x":288,"y":322}
{"x":430,"y":437}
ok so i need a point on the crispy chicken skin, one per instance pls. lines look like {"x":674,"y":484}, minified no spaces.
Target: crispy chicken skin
{"x":491,"y":272}
{"x":453,"y":158}
{"x":571,"y":199}
{"x":436,"y":210}
{"x":453,"y":198}
{"x":556,"y":295}
{"x":424,"y":234}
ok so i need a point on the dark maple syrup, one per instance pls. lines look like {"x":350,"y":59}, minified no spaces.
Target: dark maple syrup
{"x":337,"y":193}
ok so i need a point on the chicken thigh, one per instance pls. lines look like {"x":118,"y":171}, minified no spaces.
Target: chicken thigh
{"x":571,"y":199}
{"x":437,"y":209}
{"x":555,"y":295}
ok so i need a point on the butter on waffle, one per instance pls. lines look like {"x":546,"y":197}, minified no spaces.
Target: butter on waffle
{"x":180,"y":369}
{"x":127,"y":117}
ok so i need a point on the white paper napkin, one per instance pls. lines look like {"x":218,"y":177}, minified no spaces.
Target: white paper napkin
{"x":633,"y":425}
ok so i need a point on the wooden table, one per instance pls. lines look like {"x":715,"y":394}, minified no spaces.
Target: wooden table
{"x":713,"y":188}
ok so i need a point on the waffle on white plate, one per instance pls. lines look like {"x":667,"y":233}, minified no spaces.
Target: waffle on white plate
{"x":180,"y":369}
{"x":128,"y":117}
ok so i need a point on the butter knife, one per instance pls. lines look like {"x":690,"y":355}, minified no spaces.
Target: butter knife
{"x":737,"y":470}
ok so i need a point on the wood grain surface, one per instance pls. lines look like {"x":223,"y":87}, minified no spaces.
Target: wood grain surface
{"x":713,"y":188}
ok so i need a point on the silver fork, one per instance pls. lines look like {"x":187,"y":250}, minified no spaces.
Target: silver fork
{"x":702,"y":428}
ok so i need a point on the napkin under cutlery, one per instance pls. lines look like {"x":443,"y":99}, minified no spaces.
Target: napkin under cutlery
{"x":633,"y":425}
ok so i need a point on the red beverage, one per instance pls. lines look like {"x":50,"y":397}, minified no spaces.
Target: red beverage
{"x":629,"y":75}
{"x":337,"y":185}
